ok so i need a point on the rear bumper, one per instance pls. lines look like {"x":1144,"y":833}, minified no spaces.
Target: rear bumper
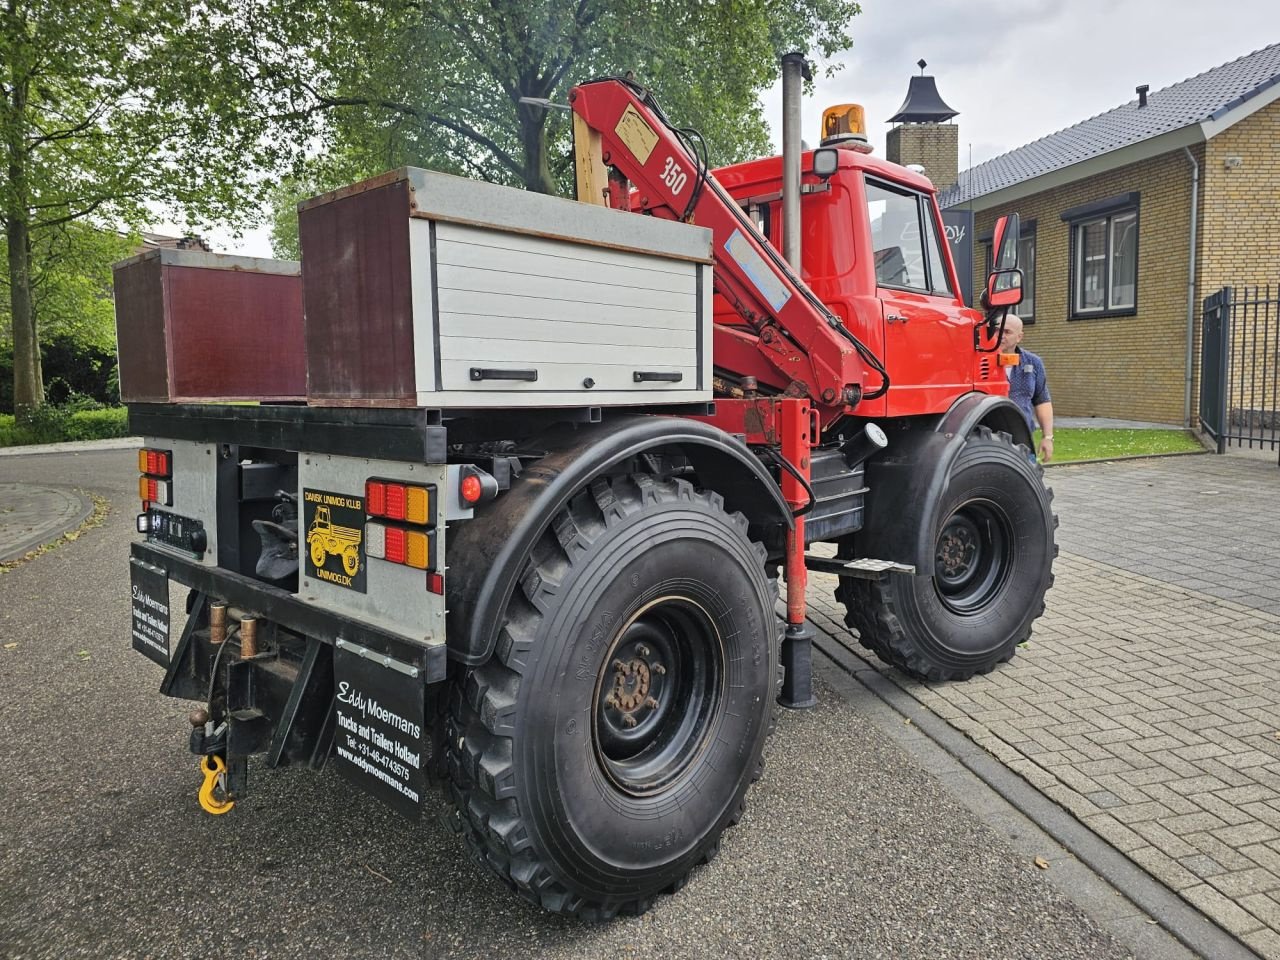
{"x":297,"y":616}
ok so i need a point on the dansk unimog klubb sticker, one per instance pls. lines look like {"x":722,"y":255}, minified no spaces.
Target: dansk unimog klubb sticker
{"x":334,"y":538}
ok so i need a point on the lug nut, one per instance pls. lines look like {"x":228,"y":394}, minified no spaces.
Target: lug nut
{"x":659,"y":669}
{"x":651,"y":703}
{"x":619,"y":665}
{"x":611,"y":701}
{"x":642,"y":650}
{"x":629,"y":720}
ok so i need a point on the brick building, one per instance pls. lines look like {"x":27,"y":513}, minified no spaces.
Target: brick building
{"x":1116,"y":259}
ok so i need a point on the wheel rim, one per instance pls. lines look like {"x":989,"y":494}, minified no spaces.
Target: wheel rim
{"x":973,"y":556}
{"x":657,"y":695}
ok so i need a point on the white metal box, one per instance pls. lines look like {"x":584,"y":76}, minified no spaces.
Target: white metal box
{"x":422,"y":289}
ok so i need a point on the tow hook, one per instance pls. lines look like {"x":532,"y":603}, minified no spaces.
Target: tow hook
{"x":214,"y":769}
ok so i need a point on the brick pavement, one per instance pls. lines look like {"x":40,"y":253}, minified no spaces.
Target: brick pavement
{"x":1148,"y":701}
{"x":31,"y":515}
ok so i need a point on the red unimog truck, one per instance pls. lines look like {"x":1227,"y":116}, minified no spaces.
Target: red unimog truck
{"x":524,"y":474}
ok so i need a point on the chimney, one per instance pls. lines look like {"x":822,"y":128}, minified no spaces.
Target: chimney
{"x":923,"y":135}
{"x":1141,"y":91}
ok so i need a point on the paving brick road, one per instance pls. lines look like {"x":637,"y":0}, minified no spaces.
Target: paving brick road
{"x":1148,"y":701}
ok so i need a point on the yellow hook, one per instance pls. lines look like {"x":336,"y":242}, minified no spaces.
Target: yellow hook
{"x":213,"y":769}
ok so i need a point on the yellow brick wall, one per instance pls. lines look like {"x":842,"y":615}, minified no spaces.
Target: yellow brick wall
{"x":1240,"y":244}
{"x":1130,"y":367}
{"x":935,"y":146}
{"x":1133,"y":367}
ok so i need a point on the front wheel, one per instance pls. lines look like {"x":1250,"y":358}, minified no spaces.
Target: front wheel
{"x":600,"y":754}
{"x":992,"y":563}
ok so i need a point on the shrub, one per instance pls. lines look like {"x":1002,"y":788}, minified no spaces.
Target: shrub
{"x":76,"y":421}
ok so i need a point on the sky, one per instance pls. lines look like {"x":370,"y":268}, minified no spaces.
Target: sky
{"x":1014,"y":69}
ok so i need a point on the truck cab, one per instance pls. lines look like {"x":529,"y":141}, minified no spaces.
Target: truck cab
{"x":873,"y":251}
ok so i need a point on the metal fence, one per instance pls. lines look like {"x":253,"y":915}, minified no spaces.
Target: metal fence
{"x":1240,"y":367}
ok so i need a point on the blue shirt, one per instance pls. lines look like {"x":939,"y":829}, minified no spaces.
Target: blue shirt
{"x":1028,"y":385}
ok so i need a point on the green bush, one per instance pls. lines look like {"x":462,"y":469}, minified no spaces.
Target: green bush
{"x":73,"y":421}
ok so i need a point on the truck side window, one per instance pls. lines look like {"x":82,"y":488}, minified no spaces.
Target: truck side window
{"x":939,"y":282}
{"x":896,"y":240}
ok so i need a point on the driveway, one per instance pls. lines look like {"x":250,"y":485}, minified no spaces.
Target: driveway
{"x":1148,"y":700}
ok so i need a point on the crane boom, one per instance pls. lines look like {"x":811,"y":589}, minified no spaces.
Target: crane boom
{"x":786,"y":324}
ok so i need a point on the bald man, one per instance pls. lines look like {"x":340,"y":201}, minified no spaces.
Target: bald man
{"x":1028,"y":385}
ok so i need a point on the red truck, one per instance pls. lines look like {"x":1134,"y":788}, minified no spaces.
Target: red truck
{"x":574,"y":448}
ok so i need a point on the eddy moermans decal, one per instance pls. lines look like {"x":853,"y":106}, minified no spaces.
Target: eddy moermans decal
{"x":335,"y":534}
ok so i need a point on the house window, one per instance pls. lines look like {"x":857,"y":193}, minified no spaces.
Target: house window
{"x":1104,"y":257}
{"x":905,"y":240}
{"x":1027,"y":264}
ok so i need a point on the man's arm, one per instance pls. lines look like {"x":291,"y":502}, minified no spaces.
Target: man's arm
{"x":1044,"y":416}
{"x":1042,"y":406}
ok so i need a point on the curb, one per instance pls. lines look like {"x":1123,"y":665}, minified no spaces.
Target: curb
{"x":49,"y":533}
{"x":73,"y":446}
{"x":1175,"y":916}
{"x":1128,"y":456}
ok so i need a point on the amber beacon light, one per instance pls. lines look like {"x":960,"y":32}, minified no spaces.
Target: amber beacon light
{"x":845,"y":125}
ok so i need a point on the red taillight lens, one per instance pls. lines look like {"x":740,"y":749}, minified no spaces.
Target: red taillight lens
{"x":395,"y":501}
{"x":395,"y":545}
{"x":375,"y":498}
{"x":154,"y":462}
{"x":471,"y":489}
{"x":435,"y":583}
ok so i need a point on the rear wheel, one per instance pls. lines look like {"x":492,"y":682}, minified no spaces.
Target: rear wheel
{"x":599,"y":755}
{"x":992,"y":563}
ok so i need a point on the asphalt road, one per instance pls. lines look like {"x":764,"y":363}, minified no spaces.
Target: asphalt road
{"x":848,"y":848}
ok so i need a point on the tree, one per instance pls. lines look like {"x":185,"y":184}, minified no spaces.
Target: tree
{"x":439,"y":82}
{"x":108,"y":110}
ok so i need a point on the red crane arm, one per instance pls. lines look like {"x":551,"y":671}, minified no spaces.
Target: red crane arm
{"x":789,"y":326}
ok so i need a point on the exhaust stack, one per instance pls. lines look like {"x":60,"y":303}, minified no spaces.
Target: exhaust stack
{"x":794,"y":71}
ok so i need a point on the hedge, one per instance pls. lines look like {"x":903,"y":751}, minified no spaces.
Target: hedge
{"x":53,"y":425}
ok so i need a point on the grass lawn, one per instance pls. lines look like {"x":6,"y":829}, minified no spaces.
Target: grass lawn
{"x":1089,"y":443}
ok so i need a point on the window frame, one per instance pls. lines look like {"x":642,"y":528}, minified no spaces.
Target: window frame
{"x":1104,"y":212}
{"x":923,"y":209}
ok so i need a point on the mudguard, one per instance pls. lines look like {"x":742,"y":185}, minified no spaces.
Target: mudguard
{"x":905,"y":483}
{"x":487,"y":555}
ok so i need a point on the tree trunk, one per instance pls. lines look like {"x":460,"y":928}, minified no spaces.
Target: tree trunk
{"x":533,"y":139}
{"x":28,"y":385}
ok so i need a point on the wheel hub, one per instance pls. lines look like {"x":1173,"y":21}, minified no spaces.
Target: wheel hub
{"x":973,"y":556}
{"x":656,"y":693}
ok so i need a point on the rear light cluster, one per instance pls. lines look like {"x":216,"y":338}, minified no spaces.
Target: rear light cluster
{"x":408,"y":506}
{"x":155,"y":486}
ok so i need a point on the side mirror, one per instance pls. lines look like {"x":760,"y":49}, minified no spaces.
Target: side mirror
{"x":1004,"y":243}
{"x":826,"y":160}
{"x":1004,"y":288}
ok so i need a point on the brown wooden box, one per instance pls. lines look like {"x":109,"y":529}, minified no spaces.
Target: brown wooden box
{"x":197,"y":326}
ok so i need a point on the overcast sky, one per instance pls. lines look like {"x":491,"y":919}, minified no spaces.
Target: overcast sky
{"x":1015,"y":69}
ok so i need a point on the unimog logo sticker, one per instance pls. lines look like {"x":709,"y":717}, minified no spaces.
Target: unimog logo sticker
{"x":334,"y":538}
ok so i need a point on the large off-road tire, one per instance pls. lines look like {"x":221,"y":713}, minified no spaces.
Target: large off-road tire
{"x":644,"y":602}
{"x":993,"y":562}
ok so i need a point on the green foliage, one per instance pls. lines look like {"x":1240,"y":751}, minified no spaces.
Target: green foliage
{"x":56,"y":424}
{"x":437,"y":83}
{"x":70,"y":284}
{"x":112,"y":111}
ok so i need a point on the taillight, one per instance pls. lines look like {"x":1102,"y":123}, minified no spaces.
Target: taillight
{"x":400,"y":501}
{"x":409,"y":548}
{"x":154,"y":486}
{"x":408,"y":505}
{"x":151,"y":490}
{"x":156,"y":463}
